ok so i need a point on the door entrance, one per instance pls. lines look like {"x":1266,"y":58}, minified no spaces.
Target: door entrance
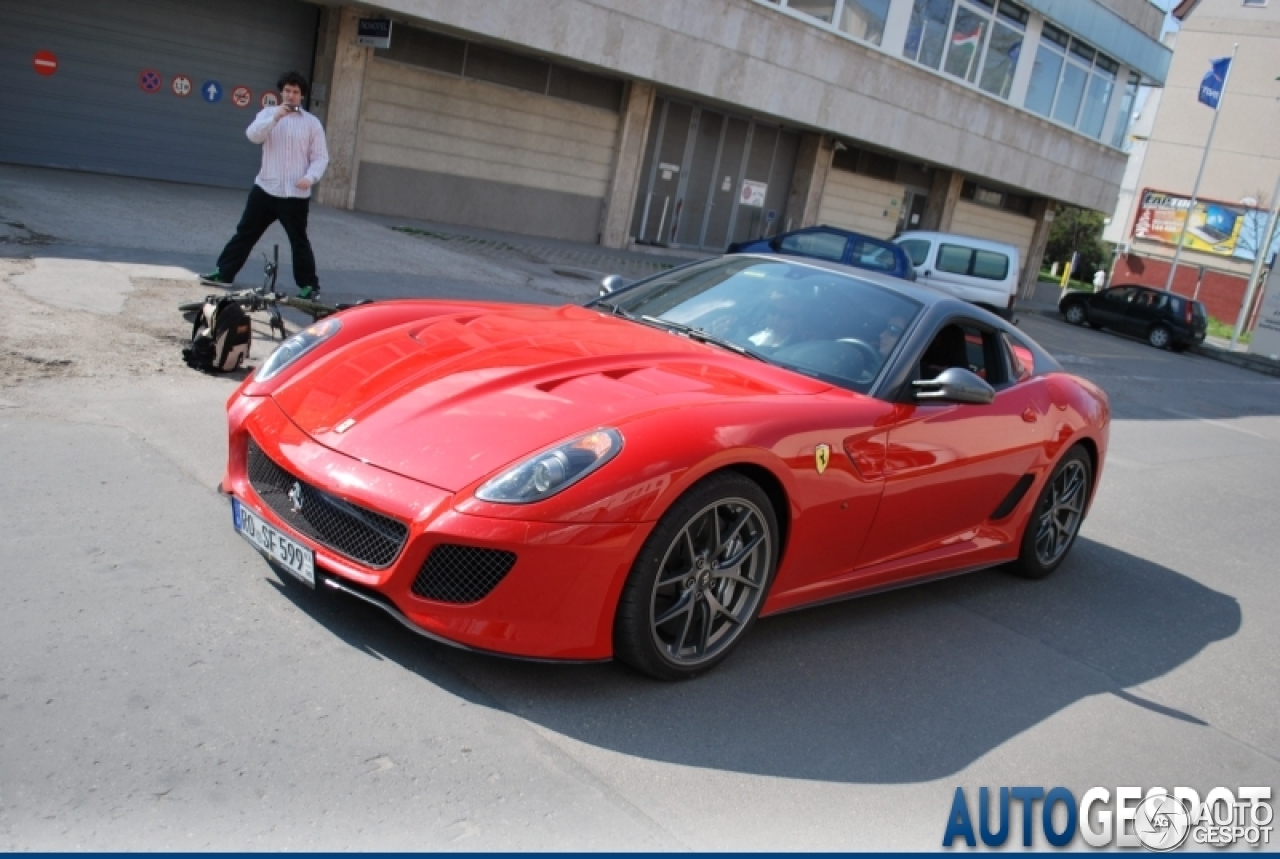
{"x":710,"y":178}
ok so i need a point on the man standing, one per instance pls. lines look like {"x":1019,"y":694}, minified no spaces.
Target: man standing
{"x":294,"y":157}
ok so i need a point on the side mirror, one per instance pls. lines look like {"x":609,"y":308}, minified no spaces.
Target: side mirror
{"x":955,"y":385}
{"x":613,"y":283}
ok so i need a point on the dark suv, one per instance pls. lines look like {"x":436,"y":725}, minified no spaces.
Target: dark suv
{"x":1161,"y":318}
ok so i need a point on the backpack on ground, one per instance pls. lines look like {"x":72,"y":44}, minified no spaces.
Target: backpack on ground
{"x":220,"y":337}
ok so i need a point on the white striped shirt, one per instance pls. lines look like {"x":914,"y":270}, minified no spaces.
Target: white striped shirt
{"x":292,"y":147}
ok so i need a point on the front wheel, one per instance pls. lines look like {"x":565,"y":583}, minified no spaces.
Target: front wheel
{"x":1159,"y":336}
{"x":1056,"y":518}
{"x":1075,"y":313}
{"x":700,"y":579}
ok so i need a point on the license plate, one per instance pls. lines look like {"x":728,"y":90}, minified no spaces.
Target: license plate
{"x":291,"y":555}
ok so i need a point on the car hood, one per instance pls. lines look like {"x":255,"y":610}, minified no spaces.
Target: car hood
{"x":451,"y":399}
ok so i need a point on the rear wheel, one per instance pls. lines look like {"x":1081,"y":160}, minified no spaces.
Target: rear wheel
{"x":699,"y":581}
{"x":1159,"y":337}
{"x":1056,"y":518}
{"x":1075,"y":313}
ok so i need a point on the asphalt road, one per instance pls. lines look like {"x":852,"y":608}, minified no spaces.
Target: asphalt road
{"x":162,"y":687}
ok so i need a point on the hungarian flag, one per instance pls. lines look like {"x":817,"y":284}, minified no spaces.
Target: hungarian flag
{"x":1211,"y":84}
{"x":959,"y":38}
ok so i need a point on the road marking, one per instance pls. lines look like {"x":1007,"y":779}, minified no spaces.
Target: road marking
{"x":1212,"y":422}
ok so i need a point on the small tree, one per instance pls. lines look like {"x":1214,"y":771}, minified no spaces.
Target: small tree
{"x":1076,"y":230}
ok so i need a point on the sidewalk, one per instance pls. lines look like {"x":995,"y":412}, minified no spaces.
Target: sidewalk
{"x":1044,"y":302}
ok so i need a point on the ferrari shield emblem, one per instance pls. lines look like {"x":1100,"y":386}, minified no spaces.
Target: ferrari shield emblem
{"x":822,"y":457}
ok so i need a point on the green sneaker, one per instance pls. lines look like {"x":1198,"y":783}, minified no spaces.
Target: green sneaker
{"x":309,"y":292}
{"x":214,"y":278}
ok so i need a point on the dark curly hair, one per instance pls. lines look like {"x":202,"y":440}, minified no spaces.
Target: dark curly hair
{"x":292,"y":78}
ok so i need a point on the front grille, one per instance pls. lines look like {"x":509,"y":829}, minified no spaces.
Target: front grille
{"x":461,"y":574}
{"x":363,"y":536}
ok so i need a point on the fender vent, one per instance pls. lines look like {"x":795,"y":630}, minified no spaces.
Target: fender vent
{"x":1015,"y":495}
{"x":461,"y":574}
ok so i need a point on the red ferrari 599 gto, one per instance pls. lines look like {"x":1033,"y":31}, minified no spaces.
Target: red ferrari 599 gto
{"x":644,"y":476}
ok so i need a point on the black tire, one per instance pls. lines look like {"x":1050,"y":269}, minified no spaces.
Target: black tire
{"x":1159,"y":337}
{"x":1055,"y":520}
{"x":1075,"y":312}
{"x":680,"y":587}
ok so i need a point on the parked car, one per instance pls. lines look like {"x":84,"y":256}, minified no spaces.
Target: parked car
{"x":835,"y":245}
{"x":642,"y":477}
{"x":1163,"y":319}
{"x":977,"y":270}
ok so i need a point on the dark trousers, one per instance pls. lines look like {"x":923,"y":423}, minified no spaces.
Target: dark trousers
{"x":261,"y":211}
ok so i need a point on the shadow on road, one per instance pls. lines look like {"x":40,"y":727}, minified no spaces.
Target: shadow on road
{"x":899,"y":687}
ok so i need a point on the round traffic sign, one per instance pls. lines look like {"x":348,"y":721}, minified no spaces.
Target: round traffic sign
{"x":241,"y":96}
{"x":45,"y":63}
{"x":181,"y":86}
{"x":269,"y":99}
{"x":149,"y":80}
{"x":211,"y":91}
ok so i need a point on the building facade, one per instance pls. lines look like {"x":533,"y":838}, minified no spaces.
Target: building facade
{"x":685,"y":125}
{"x":1225,"y":230}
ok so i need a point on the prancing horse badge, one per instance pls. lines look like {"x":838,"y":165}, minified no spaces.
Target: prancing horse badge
{"x":822,"y":457}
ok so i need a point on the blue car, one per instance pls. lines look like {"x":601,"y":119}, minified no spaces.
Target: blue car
{"x":835,"y":245}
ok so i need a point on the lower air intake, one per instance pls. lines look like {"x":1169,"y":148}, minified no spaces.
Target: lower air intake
{"x":461,"y":574}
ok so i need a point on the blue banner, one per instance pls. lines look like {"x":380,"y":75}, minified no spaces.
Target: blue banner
{"x":1211,"y":84}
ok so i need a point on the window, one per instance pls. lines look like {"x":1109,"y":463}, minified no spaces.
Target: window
{"x":1021,"y":360}
{"x":1120,"y":137}
{"x":873,"y":255}
{"x":988,"y":265}
{"x":917,"y":250}
{"x":1071,"y":82}
{"x":428,"y":50}
{"x":975,"y":40}
{"x":862,"y":19}
{"x":968,"y":347}
{"x":827,"y":246}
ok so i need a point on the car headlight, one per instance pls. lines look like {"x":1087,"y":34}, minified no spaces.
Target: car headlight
{"x":547,"y":473}
{"x":297,"y":346}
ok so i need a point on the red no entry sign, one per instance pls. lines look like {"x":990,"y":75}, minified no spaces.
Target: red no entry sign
{"x":45,"y":63}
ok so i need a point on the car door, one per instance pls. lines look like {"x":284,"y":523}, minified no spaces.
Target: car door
{"x":949,"y":467}
{"x":1110,"y":306}
{"x":1142,"y":312}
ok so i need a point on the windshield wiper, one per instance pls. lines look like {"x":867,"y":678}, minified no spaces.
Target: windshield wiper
{"x":703,"y":337}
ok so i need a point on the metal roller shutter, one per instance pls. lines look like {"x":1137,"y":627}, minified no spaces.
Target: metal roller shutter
{"x":110,"y":105}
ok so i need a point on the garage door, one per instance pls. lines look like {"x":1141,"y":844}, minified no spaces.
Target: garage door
{"x":860,"y":203}
{"x":155,"y":88}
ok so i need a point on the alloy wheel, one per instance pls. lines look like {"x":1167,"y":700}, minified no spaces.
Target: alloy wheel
{"x":711,"y":579}
{"x":1061,"y":513}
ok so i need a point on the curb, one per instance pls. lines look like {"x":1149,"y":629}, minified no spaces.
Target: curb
{"x":1244,"y":360}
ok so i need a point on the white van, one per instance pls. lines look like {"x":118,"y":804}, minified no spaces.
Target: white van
{"x":978,"y":270}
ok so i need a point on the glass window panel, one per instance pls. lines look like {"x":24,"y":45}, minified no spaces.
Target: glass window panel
{"x":990,"y":265}
{"x":1095,"y":105}
{"x":1044,"y":80}
{"x":1120,"y":137}
{"x":823,"y":10}
{"x":966,"y":44}
{"x":1053,"y":34}
{"x":822,"y":245}
{"x":1001,"y":60}
{"x":1012,"y":13}
{"x":865,"y":19}
{"x":1070,"y":94}
{"x":954,"y":259}
{"x":927,"y":32}
{"x":917,"y":249}
{"x":1081,"y":50}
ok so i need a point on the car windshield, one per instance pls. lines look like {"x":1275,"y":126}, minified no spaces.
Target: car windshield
{"x":832,"y":326}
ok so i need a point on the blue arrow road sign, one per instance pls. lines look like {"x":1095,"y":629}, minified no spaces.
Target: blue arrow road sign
{"x":211,"y":91}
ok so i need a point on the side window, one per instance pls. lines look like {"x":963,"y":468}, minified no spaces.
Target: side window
{"x":828,"y":246}
{"x":872,"y":255}
{"x":954,"y":259}
{"x":1021,"y":361}
{"x":1119,"y":296}
{"x":990,"y":265}
{"x":917,"y":250}
{"x":1174,"y":303}
{"x":967,"y":347}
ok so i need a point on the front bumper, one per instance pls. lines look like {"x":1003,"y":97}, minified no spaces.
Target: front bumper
{"x":556,"y":601}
